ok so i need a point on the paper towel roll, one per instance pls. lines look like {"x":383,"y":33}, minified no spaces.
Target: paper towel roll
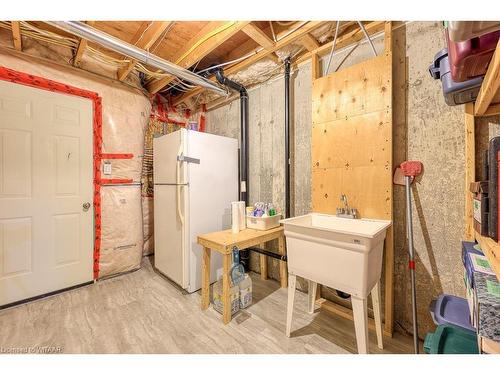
{"x":235,"y":215}
{"x":242,"y":213}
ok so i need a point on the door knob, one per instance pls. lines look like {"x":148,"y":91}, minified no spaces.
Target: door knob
{"x":86,"y":206}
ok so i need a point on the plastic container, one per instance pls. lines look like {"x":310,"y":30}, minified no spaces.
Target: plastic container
{"x":263,"y":223}
{"x":454,"y":93}
{"x":447,"y":309}
{"x":245,"y":292}
{"x":470,"y":58}
{"x":450,"y":339}
{"x":234,"y":296}
{"x":460,"y":31}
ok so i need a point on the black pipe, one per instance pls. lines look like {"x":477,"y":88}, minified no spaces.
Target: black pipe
{"x":268,"y":253}
{"x":223,"y":80}
{"x":287,"y":137}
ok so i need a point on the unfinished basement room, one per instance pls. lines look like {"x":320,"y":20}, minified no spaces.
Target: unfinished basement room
{"x":309,"y":181}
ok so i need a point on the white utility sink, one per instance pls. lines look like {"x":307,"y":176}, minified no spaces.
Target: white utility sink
{"x":344,"y":254}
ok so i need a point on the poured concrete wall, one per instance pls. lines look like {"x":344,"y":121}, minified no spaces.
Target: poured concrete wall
{"x":424,"y":128}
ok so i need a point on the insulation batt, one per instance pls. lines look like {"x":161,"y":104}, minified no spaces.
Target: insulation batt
{"x":125,"y":115}
{"x":122,"y":239}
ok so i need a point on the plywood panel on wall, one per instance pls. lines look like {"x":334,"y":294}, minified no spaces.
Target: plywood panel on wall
{"x":352,"y":139}
{"x":351,"y":148}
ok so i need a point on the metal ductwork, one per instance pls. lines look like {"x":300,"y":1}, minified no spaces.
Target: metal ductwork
{"x":91,"y":34}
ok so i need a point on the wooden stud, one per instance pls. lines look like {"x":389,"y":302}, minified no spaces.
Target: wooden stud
{"x":81,"y":48}
{"x":263,"y":263}
{"x":292,"y":37}
{"x":490,"y":85}
{"x":207,"y":40}
{"x":315,"y":66}
{"x":145,"y":40}
{"x":258,"y":35}
{"x":16,"y":35}
{"x":205,"y":279}
{"x":389,"y":282}
{"x":283,"y":265}
{"x":226,"y":289}
{"x":309,"y":42}
{"x":388,"y":37}
{"x":470,"y":165}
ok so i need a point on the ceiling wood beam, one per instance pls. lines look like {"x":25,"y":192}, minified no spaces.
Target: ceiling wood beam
{"x":16,"y":35}
{"x":309,"y":42}
{"x":290,"y":38}
{"x":258,"y":35}
{"x":490,"y":86}
{"x":345,"y":40}
{"x":145,"y":40}
{"x":208,"y":39}
{"x":81,"y":48}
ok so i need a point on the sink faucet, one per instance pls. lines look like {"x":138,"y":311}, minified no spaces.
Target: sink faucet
{"x":346,"y":212}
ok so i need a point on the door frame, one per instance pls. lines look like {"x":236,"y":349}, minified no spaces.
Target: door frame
{"x":26,"y":79}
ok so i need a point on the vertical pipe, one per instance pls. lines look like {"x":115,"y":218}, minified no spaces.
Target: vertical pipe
{"x":244,"y":146}
{"x":243,"y":165}
{"x":287,"y":137}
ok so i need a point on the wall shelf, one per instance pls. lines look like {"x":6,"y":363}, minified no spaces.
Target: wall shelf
{"x":488,"y":99}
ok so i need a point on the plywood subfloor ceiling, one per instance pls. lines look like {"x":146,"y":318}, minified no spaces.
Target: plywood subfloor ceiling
{"x":195,"y":45}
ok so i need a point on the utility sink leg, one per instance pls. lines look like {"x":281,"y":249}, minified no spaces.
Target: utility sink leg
{"x":311,"y":295}
{"x":360,"y":312}
{"x":291,"y":296}
{"x":377,"y":314}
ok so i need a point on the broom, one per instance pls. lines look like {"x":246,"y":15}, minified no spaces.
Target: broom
{"x":404,"y":175}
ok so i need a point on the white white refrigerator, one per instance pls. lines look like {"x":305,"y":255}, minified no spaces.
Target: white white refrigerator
{"x":195,"y":180}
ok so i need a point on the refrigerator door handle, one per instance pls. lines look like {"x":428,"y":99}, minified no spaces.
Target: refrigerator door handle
{"x":188,"y":159}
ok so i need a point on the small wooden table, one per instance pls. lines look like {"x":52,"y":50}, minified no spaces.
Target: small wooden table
{"x":223,"y":242}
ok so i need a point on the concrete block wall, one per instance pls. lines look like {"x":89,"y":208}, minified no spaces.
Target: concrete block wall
{"x":425,"y":129}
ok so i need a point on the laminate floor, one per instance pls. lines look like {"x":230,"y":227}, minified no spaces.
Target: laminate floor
{"x":142,"y":312}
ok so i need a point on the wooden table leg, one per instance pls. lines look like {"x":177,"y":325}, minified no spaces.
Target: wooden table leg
{"x":226,"y":286}
{"x":205,"y":279}
{"x":263,"y":264}
{"x":283,"y":265}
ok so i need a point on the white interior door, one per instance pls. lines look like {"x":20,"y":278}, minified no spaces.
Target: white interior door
{"x":46,"y":234}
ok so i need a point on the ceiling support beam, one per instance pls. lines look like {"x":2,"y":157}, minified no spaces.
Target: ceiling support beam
{"x":344,"y":40}
{"x":309,"y":42}
{"x":16,"y":35}
{"x":490,"y":86}
{"x":81,"y":48}
{"x":258,"y":35}
{"x":144,"y":41}
{"x":208,"y":39}
{"x":290,"y":38}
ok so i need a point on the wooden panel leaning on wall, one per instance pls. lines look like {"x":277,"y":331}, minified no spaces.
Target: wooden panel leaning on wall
{"x":352,"y":147}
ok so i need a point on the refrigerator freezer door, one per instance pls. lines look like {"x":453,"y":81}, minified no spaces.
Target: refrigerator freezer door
{"x":166,"y":149}
{"x":170,"y":232}
{"x":213,"y":185}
